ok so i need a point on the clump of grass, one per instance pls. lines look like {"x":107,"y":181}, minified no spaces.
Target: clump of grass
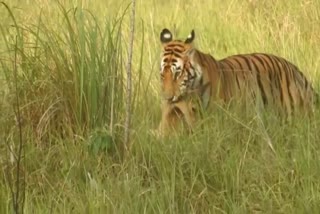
{"x":70,"y":81}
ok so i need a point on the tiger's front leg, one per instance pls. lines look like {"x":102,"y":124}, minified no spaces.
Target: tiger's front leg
{"x":188,"y":113}
{"x":172,"y":115}
{"x":166,"y":120}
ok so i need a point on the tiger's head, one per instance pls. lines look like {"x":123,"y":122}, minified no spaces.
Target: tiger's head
{"x":175,"y":65}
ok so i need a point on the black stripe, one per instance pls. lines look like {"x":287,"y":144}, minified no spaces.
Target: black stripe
{"x":278,"y":74}
{"x":202,"y":57}
{"x":268,"y":71}
{"x":177,"y":55}
{"x":269,"y":57}
{"x":257,"y":74}
{"x":295,"y":71}
{"x":239,"y":63}
{"x":297,"y":74}
{"x":201,"y":81}
{"x":229,"y":64}
{"x":260,"y":60}
{"x":233,"y":69}
{"x":178,"y":50}
{"x":246,"y":60}
{"x":271,"y":70}
{"x":306,"y":83}
{"x":286,"y":72}
{"x":301,"y":98}
{"x":190,"y":76}
{"x":238,"y":83}
{"x":263,"y":93}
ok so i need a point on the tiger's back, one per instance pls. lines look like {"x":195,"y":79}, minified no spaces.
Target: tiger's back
{"x":275,"y":80}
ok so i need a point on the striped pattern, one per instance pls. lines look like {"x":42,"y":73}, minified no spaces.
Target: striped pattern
{"x":278,"y":79}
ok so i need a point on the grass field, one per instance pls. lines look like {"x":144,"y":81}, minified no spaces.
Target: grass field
{"x":63,"y":64}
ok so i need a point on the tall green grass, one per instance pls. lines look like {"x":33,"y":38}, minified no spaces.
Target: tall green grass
{"x":70,"y":67}
{"x":70,"y":81}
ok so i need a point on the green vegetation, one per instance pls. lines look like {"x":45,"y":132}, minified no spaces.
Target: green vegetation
{"x":65,"y":63}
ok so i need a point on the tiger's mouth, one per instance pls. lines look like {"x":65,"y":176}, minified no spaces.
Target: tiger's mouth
{"x":174,"y":99}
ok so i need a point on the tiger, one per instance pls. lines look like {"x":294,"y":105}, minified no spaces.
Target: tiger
{"x":185,"y":70}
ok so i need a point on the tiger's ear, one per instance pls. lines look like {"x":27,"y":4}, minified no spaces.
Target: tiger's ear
{"x":165,"y":36}
{"x":190,"y":38}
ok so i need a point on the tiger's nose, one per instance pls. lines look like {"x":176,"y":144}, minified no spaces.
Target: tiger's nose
{"x":172,"y":99}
